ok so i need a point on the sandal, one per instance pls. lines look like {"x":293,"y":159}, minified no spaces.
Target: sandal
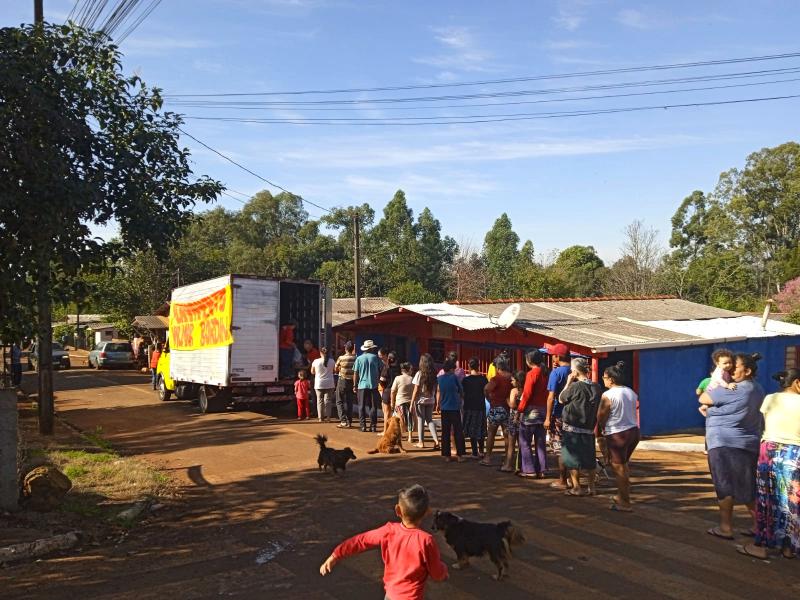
{"x":502,"y":470}
{"x":485,"y":463}
{"x":574,"y":492}
{"x":436,"y":447}
{"x":557,"y":485}
{"x":527,"y":475}
{"x":717,"y":533}
{"x":617,"y":508}
{"x":744,"y":550}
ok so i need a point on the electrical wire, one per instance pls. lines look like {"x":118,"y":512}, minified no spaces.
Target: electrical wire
{"x":512,"y":103}
{"x":488,"y":118}
{"x":661,"y":67}
{"x":253,"y":173}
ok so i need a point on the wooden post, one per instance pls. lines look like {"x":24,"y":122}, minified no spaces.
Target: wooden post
{"x":38,"y":11}
{"x":357,"y":264}
{"x":9,"y":487}
{"x":595,"y":369}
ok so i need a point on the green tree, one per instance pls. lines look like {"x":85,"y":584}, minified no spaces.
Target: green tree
{"x":412,"y":292}
{"x":577,"y":272}
{"x":530,"y":274}
{"x":82,"y":145}
{"x":391,"y":246}
{"x":501,"y":256}
{"x":434,"y":254}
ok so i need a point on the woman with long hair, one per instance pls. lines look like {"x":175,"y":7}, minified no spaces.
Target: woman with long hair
{"x":424,"y":399}
{"x":391,"y":369}
{"x":617,"y":420}
{"x":778,"y":474}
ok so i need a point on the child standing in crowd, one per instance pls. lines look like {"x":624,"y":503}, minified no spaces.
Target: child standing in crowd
{"x":302,"y":387}
{"x":518,"y":383}
{"x":449,"y":397}
{"x":410,"y":555}
{"x":401,"y":393}
{"x":475,"y":408}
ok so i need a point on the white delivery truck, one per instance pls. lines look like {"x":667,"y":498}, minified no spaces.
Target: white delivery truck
{"x":223,"y":338}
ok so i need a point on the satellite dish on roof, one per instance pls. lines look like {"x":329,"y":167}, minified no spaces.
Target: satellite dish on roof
{"x":508,"y":316}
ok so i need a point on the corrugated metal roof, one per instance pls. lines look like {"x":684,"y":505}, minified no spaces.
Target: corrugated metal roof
{"x":734,"y":328}
{"x":86,"y":319}
{"x":151,"y":322}
{"x":344,"y":309}
{"x":452,"y":315}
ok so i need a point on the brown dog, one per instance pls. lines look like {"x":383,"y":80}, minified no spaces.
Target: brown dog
{"x":392,"y":440}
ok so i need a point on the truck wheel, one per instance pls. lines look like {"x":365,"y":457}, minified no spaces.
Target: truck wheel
{"x":163,"y":393}
{"x":213,"y":399}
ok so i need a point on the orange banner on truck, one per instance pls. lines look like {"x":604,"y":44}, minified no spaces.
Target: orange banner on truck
{"x":203,"y":323}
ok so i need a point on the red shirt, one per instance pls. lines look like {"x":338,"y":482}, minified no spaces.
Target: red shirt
{"x":301,"y":388}
{"x":500,"y":390}
{"x":535,"y":391}
{"x":154,"y":359}
{"x":286,"y":338}
{"x":410,"y":556}
{"x":312,"y":355}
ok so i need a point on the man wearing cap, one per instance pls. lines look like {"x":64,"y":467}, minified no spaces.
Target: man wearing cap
{"x":366,"y":371}
{"x":552,"y":422}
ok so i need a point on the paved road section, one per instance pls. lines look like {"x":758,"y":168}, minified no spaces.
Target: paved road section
{"x":257,"y":518}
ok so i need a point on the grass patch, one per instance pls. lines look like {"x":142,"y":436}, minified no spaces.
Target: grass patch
{"x":96,"y":438}
{"x":104,"y":483}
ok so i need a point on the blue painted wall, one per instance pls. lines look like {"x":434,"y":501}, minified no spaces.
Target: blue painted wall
{"x":668,"y":378}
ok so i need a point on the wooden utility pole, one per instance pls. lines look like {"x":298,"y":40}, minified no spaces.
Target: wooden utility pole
{"x":38,"y":11}
{"x":357,"y":263}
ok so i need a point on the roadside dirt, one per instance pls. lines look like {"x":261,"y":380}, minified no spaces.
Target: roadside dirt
{"x":256,"y":517}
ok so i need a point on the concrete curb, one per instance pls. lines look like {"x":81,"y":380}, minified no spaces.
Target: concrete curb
{"x":670,"y":446}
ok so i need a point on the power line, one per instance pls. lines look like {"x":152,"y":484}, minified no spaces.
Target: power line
{"x":506,"y":94}
{"x":253,"y":173}
{"x":490,"y":118}
{"x":511,"y":103}
{"x":662,"y":67}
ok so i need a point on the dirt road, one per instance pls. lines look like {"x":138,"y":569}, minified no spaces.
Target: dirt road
{"x":257,"y":518}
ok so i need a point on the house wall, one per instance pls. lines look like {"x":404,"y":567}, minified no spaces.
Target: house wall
{"x":668,"y":378}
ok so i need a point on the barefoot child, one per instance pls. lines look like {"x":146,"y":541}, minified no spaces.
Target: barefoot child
{"x":302,"y":388}
{"x":518,"y":383}
{"x":410,"y":555}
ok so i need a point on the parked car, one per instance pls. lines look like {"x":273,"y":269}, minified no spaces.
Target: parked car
{"x":111,"y":354}
{"x":60,"y":357}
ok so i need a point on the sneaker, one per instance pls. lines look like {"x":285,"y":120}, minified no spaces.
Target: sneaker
{"x":343,"y":426}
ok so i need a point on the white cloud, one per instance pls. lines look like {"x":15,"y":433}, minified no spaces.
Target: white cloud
{"x":208,"y":66}
{"x":569,"y":44}
{"x":380,"y":154}
{"x":461,"y":51}
{"x":571,"y":14}
{"x":637,"y":19}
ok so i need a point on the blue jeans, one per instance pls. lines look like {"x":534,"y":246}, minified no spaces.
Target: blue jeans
{"x":154,"y":378}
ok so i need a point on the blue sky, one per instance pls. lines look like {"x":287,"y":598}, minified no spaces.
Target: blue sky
{"x":562,"y":181}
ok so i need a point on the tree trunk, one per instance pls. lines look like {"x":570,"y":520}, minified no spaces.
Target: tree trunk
{"x":9,"y":478}
{"x":45,"y":351}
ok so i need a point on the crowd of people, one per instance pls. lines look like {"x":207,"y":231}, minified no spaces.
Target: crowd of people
{"x":552,"y":402}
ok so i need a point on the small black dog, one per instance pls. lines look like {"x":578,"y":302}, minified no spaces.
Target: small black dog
{"x":468,"y":538}
{"x":328,"y":457}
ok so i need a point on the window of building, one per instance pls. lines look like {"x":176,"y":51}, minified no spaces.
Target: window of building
{"x":792,"y":357}
{"x":436,"y":350}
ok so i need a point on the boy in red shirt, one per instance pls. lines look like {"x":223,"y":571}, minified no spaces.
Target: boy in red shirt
{"x":410,"y":555}
{"x":302,"y":388}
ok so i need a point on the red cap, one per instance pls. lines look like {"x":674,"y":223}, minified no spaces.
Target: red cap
{"x":557,"y":349}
